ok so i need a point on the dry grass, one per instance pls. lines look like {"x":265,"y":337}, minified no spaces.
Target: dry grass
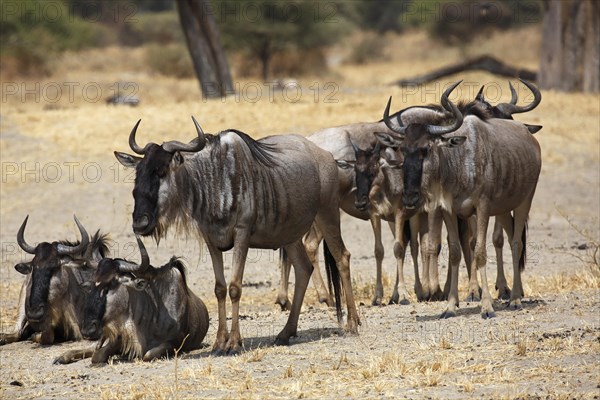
{"x":507,"y":359}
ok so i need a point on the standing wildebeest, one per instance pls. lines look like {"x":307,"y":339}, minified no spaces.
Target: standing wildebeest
{"x":139,"y":311}
{"x":57,"y":283}
{"x":484,"y":168}
{"x":237,"y":192}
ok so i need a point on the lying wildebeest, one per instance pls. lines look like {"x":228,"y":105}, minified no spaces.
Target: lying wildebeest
{"x":139,"y":311}
{"x":57,"y":283}
{"x":487,"y":168}
{"x":237,"y":192}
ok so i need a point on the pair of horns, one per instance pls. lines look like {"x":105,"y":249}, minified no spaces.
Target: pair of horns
{"x":127,"y":266}
{"x":435,"y":130}
{"x":172,"y":146}
{"x":62,"y":248}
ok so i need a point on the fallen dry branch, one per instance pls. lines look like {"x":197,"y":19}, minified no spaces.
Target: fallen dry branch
{"x":484,"y":63}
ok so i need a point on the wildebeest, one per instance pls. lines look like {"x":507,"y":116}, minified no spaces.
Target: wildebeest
{"x":487,"y":168}
{"x":139,"y":311}
{"x":236,"y":192}
{"x":58,"y":281}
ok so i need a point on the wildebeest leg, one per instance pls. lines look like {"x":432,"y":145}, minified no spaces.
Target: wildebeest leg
{"x":453,"y":263}
{"x":74,"y":355}
{"x":282,"y":296}
{"x":423,"y":295}
{"x":329,"y":223}
{"x":467,"y":230}
{"x":102,"y":354}
{"x":23,"y":332}
{"x":506,"y":222}
{"x":400,"y":295}
{"x":302,"y":272}
{"x":240,"y":251}
{"x":379,"y":252}
{"x":414,"y":252}
{"x":221,"y":293}
{"x":434,"y":248}
{"x":311,"y":243}
{"x":480,"y":258}
{"x":518,"y":247}
{"x":162,"y":350}
{"x":45,"y":337}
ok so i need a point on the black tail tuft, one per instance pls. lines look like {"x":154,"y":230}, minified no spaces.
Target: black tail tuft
{"x":407,"y":232}
{"x":523,"y":258}
{"x":333,"y":278}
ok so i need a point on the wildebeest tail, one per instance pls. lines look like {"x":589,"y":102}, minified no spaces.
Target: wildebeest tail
{"x":333,"y":279}
{"x":406,"y":232}
{"x":523,"y":258}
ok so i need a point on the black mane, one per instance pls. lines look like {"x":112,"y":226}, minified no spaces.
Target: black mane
{"x":262,"y":152}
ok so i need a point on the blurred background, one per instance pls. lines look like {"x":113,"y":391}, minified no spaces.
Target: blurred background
{"x":121,"y":40}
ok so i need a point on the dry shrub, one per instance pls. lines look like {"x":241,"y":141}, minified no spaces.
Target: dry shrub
{"x":370,"y":48}
{"x":289,"y":63}
{"x":170,"y":60}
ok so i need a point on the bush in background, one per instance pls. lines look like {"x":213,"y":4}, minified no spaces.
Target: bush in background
{"x":170,"y":60}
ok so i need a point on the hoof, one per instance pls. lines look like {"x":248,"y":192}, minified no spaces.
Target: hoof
{"x":488,"y":314}
{"x":218,"y":352}
{"x":422,"y":297}
{"x":280,"y":341}
{"x":404,"y":302}
{"x":376,"y":302}
{"x":285,"y":305}
{"x":448,"y":314}
{"x":234,"y":351}
{"x":504,"y":294}
{"x":58,"y":361}
{"x":472,"y":298}
{"x":436,"y":296}
{"x":515,"y":306}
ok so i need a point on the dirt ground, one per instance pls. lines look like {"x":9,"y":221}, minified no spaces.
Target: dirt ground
{"x":58,"y":160}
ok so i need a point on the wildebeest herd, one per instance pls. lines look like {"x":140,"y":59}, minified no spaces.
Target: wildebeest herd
{"x":418,"y":169}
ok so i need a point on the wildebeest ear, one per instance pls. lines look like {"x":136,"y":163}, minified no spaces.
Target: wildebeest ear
{"x":345,"y":164}
{"x":533,"y":128}
{"x":451,"y":141}
{"x":23,"y":268}
{"x":177,"y":158}
{"x":388,"y":140}
{"x":127,"y":160}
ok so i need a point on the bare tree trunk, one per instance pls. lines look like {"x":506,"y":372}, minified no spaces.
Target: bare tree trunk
{"x":551,"y":57}
{"x":570,"y":46}
{"x":204,"y":44}
{"x":591,"y":62}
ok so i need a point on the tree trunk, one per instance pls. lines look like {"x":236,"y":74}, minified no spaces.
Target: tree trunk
{"x":570,"y":46}
{"x":591,"y":62}
{"x":551,"y":57}
{"x":204,"y":45}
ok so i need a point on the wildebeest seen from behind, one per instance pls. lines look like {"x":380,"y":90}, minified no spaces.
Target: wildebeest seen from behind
{"x":486,"y":168}
{"x":58,"y":281}
{"x":139,"y":311}
{"x":236,"y":192}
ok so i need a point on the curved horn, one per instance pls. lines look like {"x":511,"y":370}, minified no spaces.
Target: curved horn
{"x":21,"y":240}
{"x":479,"y":96}
{"x":513,"y":94}
{"x":85,"y":240}
{"x":195,"y":145}
{"x":127,"y":266}
{"x":442,"y":130}
{"x":134,"y":146}
{"x":401,"y":130}
{"x":510,"y":108}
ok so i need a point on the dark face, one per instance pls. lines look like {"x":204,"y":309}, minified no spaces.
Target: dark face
{"x":365,"y":169}
{"x":45,"y":284}
{"x":95,"y":307}
{"x":150,"y":170}
{"x":415,"y":149}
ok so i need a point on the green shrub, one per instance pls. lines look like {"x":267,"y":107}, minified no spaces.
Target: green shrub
{"x":170,"y":60}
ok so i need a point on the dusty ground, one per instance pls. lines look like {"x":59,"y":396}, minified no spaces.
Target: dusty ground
{"x":57,"y":160}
